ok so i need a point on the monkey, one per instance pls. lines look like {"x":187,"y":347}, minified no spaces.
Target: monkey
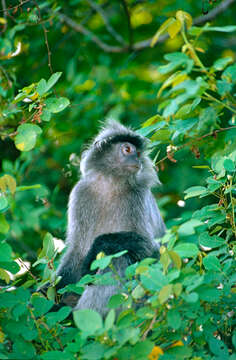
{"x":96,"y":296}
{"x":113,"y":195}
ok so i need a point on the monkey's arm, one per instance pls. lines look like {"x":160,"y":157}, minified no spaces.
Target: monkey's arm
{"x":96,"y":296}
{"x":137,"y":246}
{"x":155,"y":217}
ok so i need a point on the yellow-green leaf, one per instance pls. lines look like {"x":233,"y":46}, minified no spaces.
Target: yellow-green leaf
{"x":162,"y":29}
{"x":184,"y":18}
{"x":4,"y":276}
{"x":177,"y":289}
{"x":175,"y":78}
{"x":165,"y":292}
{"x":174,"y":29}
{"x":3,"y":20}
{"x":175,"y":258}
{"x":152,"y":120}
{"x":10,"y":182}
{"x":3,"y":186}
{"x":165,"y":261}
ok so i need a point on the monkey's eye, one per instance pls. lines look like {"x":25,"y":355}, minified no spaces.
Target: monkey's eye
{"x":128,"y":149}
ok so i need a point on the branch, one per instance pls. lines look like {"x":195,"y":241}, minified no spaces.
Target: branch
{"x":129,"y":23}
{"x":103,"y":15}
{"x":213,"y":13}
{"x":45,"y":31}
{"x":81,"y":29}
{"x":141,"y":44}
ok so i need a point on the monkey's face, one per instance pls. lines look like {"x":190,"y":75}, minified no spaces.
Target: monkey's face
{"x":119,"y":159}
{"x":128,"y":157}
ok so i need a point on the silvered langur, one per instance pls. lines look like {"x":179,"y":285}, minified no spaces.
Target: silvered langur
{"x":112,"y":196}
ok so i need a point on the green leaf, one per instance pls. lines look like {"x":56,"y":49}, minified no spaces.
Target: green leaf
{"x":230,"y":74}
{"x":54,"y":317}
{"x":23,"y":349}
{"x":229,"y":165}
{"x":110,"y":319}
{"x":52,"y":80}
{"x":88,"y":320}
{"x":5,"y":252}
{"x":94,"y":351}
{"x":58,"y":355}
{"x":46,"y":115}
{"x":228,"y":28}
{"x":106,"y":260}
{"x":3,"y":202}
{"x":188,"y":228}
{"x":208,"y":293}
{"x":26,"y":138}
{"x":41,"y":87}
{"x":210,"y":241}
{"x":55,"y":105}
{"x":211,"y":262}
{"x":220,"y":64}
{"x":234,"y":339}
{"x":218,"y":348}
{"x":138,"y":292}
{"x":186,"y":250}
{"x":116,"y":300}
{"x":195,"y":191}
{"x":40,"y":304}
{"x":11,"y":266}
{"x":4,"y":226}
{"x":145,"y":313}
{"x":174,"y":319}
{"x":190,"y":298}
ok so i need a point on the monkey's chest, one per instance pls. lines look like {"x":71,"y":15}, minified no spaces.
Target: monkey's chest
{"x":116,"y":213}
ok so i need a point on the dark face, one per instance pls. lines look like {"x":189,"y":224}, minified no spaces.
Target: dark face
{"x":128,"y":157}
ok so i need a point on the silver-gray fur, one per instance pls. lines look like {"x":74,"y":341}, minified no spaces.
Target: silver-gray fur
{"x":109,"y":199}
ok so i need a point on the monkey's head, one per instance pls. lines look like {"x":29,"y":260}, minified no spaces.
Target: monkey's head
{"x":120,"y":152}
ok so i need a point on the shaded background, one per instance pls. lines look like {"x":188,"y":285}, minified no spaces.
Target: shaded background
{"x":118,"y":79}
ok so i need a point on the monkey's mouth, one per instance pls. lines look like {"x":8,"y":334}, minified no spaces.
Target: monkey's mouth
{"x":133,"y":168}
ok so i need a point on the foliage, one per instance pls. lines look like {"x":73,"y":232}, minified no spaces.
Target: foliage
{"x":182,"y":306}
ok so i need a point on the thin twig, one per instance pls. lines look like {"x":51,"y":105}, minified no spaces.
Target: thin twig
{"x":45,"y":31}
{"x":103,"y":15}
{"x":6,"y":76}
{"x":16,"y":6}
{"x":129,"y":22}
{"x":4,"y":15}
{"x":56,"y":338}
{"x":150,"y":326}
{"x":197,"y":139}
